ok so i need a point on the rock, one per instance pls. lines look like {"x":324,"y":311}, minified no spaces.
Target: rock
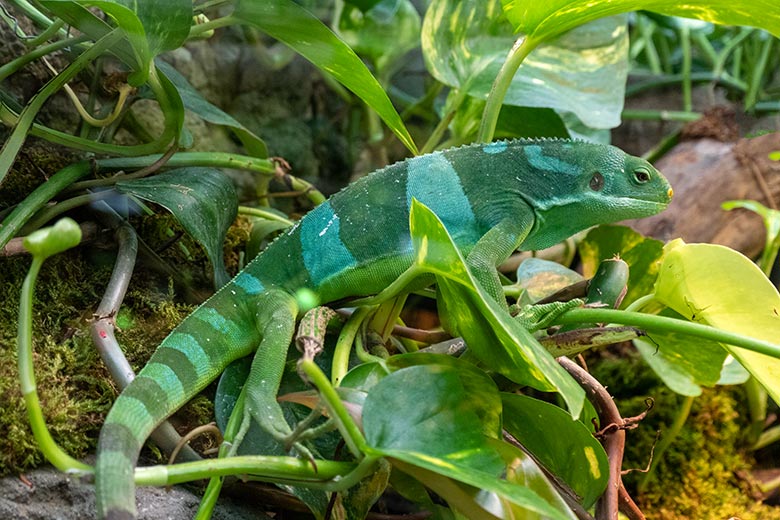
{"x":48,"y":494}
{"x":704,"y":174}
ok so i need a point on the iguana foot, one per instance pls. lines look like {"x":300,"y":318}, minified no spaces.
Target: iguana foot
{"x":537,"y":317}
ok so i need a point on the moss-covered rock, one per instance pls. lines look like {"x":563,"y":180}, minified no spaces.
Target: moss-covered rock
{"x":702,"y":474}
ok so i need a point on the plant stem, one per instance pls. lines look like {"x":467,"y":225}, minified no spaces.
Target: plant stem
{"x":33,"y":13}
{"x":39,"y":197}
{"x":16,"y":64}
{"x":340,"y":363}
{"x":262,"y":213}
{"x":664,"y":324}
{"x":522,"y":47}
{"x":48,"y":446}
{"x":668,"y":438}
{"x":685,"y":44}
{"x":336,"y":410}
{"x":267,"y":468}
{"x":660,"y":115}
{"x":757,"y":405}
{"x":758,"y":73}
{"x":18,"y":135}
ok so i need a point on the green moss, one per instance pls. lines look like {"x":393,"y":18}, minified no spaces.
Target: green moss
{"x":72,"y":384}
{"x":28,"y":170}
{"x":75,"y":389}
{"x":697,"y":476}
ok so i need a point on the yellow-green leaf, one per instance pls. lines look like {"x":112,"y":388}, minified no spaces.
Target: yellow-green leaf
{"x":721,"y":287}
{"x":544,"y":20}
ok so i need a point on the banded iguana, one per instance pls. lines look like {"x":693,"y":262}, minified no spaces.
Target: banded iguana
{"x":493,"y":199}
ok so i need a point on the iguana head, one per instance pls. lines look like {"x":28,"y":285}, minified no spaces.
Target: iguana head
{"x":592,"y":184}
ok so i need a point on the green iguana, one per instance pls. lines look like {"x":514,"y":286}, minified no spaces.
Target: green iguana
{"x":493,"y":199}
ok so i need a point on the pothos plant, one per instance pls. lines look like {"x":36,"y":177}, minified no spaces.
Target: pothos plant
{"x":699,"y":314}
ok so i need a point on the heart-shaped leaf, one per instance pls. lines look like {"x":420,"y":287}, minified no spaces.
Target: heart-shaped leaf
{"x":424,"y":418}
{"x":465,"y":43}
{"x":684,"y":366}
{"x":545,"y":20}
{"x":565,"y":447}
{"x":203,"y":200}
{"x":721,"y":287}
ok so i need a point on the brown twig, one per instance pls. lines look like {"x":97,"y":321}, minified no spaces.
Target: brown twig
{"x":613,"y":439}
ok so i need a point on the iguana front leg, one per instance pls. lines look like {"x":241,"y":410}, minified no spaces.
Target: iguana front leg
{"x":494,"y":247}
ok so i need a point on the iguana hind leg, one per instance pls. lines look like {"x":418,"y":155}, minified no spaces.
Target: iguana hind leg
{"x":276,"y":316}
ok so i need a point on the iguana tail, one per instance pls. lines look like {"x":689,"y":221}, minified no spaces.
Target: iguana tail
{"x":195,"y":353}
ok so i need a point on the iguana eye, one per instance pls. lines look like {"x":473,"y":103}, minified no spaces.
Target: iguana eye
{"x":596,"y":182}
{"x":641,"y":175}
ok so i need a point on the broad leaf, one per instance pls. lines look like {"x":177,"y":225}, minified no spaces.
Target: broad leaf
{"x":166,"y":24}
{"x":545,"y":20}
{"x":513,"y":121}
{"x":151,"y":26}
{"x":193,"y":101}
{"x":203,"y":200}
{"x":540,"y":278}
{"x":683,"y":364}
{"x":565,"y":447}
{"x":721,"y":287}
{"x":484,"y":401}
{"x":424,"y":417}
{"x":771,"y":223}
{"x":640,"y":253}
{"x":492,"y":335}
{"x":299,"y":29}
{"x":465,"y":42}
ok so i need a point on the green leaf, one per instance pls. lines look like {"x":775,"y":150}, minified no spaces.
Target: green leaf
{"x":640,"y":253}
{"x":300,"y":30}
{"x":203,"y":200}
{"x":492,"y":335}
{"x":86,"y":22}
{"x":484,"y":401}
{"x":151,"y":26}
{"x":175,"y":110}
{"x":540,"y":278}
{"x":545,"y":20}
{"x":229,"y":388}
{"x":513,"y":121}
{"x":561,"y":445}
{"x":383,"y":33}
{"x":193,"y":101}
{"x":723,"y":288}
{"x":771,"y":223}
{"x":166,"y":24}
{"x":681,"y":363}
{"x":427,"y":409}
{"x":465,"y":43}
{"x":733,"y":373}
{"x":53,"y":240}
{"x":425,"y":416}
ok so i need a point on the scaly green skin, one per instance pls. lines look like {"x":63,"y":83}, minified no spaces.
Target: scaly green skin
{"x":492,"y":198}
